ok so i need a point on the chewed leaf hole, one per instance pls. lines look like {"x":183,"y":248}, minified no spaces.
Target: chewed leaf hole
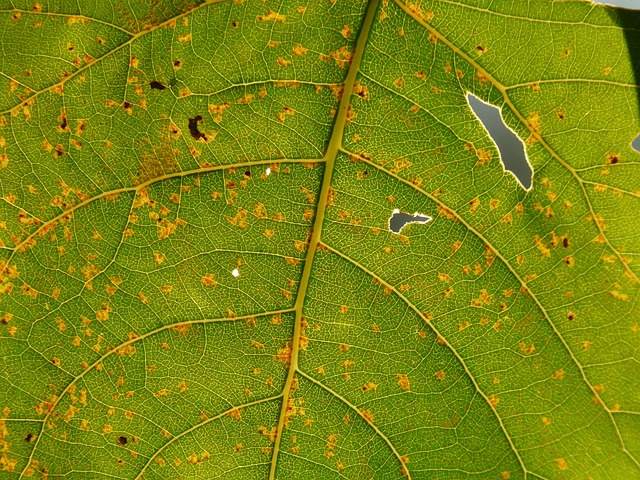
{"x":511,"y":147}
{"x":399,"y":220}
{"x":636,"y":143}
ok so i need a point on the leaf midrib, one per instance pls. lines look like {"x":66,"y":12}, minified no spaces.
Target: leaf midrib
{"x":335,"y":142}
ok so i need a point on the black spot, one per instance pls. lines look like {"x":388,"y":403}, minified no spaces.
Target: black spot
{"x":193,"y":128}
{"x":157,"y":85}
{"x":29,"y":437}
{"x":177,"y":63}
{"x":247,"y":173}
{"x":122,"y":440}
{"x":4,"y":320}
{"x":565,"y":242}
{"x":64,"y":124}
{"x":234,"y":24}
{"x":127,"y":104}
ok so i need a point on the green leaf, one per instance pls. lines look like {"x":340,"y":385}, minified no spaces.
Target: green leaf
{"x":197,"y":276}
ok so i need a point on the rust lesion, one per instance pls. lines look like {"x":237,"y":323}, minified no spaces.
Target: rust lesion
{"x":159,"y":12}
{"x":158,"y":160}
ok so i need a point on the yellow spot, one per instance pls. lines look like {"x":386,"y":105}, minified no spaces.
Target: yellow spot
{"x":272,"y":16}
{"x":619,"y":296}
{"x":209,"y":280}
{"x":403,"y":382}
{"x":369,"y":386}
{"x":299,"y":50}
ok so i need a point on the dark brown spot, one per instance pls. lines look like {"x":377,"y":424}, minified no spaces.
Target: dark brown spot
{"x":193,"y":128}
{"x":565,"y":242}
{"x":122,"y":440}
{"x":247,"y":173}
{"x":177,"y":63}
{"x":29,"y":438}
{"x":157,"y":85}
{"x":127,"y":104}
{"x":234,"y":24}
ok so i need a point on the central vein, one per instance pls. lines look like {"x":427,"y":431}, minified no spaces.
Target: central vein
{"x":330,"y":157}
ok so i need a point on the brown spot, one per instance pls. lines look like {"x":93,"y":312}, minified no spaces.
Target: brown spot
{"x":612,"y":158}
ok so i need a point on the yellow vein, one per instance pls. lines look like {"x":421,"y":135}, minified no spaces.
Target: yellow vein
{"x":533,"y":20}
{"x":110,"y":52}
{"x":536,"y":135}
{"x":355,"y":409}
{"x":125,"y":344}
{"x":521,"y":281}
{"x":152,"y":181}
{"x":571,"y":80}
{"x":453,"y":350}
{"x":201,"y":424}
{"x":70,"y":16}
{"x":615,"y":190}
{"x":332,"y":151}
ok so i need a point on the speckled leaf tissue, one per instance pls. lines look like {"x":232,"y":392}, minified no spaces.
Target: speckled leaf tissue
{"x":198,"y":278}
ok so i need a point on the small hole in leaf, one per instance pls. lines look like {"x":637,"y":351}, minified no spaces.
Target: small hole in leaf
{"x":636,"y":143}
{"x":399,"y":220}
{"x":511,"y":147}
{"x":235,"y":272}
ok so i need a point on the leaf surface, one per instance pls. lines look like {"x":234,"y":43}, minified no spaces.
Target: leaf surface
{"x":197,"y":276}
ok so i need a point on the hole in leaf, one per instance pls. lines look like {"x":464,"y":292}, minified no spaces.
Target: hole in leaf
{"x":511,"y":147}
{"x":636,"y":143}
{"x":399,"y":219}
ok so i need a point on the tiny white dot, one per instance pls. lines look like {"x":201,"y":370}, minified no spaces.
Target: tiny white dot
{"x":268,"y":172}
{"x":236,"y":272}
